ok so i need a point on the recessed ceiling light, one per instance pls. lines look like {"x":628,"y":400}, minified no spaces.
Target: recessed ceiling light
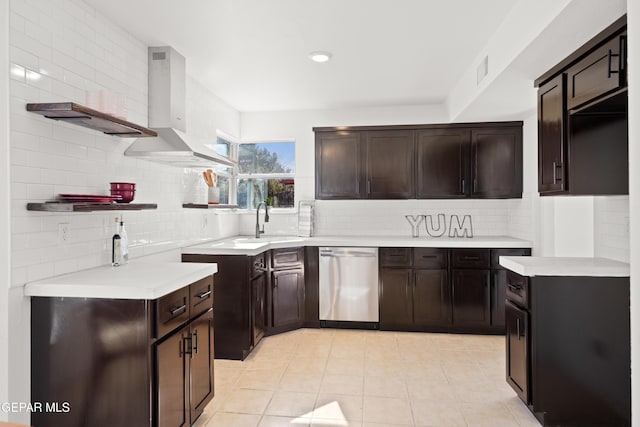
{"x":320,"y":56}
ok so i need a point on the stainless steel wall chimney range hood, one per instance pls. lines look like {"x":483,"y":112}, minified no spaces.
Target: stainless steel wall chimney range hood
{"x":167,"y":93}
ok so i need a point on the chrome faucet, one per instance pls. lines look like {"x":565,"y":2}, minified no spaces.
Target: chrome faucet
{"x":260,"y":231}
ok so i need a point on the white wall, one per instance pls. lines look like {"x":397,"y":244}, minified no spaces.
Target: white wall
{"x":499,"y":217}
{"x":59,"y":49}
{"x":5,"y":242}
{"x":634,"y":199}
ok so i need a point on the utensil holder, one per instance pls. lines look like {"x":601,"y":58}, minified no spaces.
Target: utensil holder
{"x":213,"y":195}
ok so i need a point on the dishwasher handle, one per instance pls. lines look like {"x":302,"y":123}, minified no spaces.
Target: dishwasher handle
{"x":331,"y":254}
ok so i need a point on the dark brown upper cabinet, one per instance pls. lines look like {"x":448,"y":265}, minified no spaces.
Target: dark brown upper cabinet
{"x":583,"y":119}
{"x":389,"y":164}
{"x":496,"y":162}
{"x":600,"y":72}
{"x":552,"y":148}
{"x":338,"y":165}
{"x":443,"y":163}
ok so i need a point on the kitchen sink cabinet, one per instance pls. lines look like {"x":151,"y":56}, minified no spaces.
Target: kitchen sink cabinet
{"x":286,"y":295}
{"x":259,"y":304}
{"x":568,"y":348}
{"x":123,"y":361}
{"x":583,"y":119}
{"x":389,"y":164}
{"x":479,"y":160}
{"x":287,"y":289}
{"x":338,"y":165}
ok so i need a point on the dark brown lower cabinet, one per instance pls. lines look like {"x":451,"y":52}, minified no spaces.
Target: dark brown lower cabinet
{"x":184,"y":372}
{"x":258,"y":301}
{"x":431,"y":295}
{"x":568,"y":348}
{"x":517,"y":333}
{"x":396,"y":301}
{"x":287,"y":289}
{"x":470,"y":298}
{"x":119,"y":362}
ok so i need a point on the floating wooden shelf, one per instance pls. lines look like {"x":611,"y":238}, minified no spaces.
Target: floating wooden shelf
{"x":88,"y":207}
{"x":90,"y":118}
{"x":208,"y":206}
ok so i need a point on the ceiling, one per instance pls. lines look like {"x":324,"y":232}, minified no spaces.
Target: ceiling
{"x":254,"y":53}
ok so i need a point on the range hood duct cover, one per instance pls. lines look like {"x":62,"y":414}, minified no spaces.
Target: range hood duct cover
{"x":167,"y":92}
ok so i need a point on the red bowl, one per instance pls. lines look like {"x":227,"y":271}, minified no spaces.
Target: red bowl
{"x":124,"y":196}
{"x":123,"y":186}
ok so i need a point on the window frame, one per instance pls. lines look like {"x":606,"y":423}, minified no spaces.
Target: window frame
{"x":234,"y":176}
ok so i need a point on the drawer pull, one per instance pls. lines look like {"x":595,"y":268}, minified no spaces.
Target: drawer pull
{"x":514,"y":288}
{"x":429,"y":256}
{"x":194,"y":339}
{"x":174,"y":311}
{"x":203,"y":295}
{"x":471,"y":258}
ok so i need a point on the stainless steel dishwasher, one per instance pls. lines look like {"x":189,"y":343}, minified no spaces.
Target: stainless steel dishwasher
{"x":348,"y":286}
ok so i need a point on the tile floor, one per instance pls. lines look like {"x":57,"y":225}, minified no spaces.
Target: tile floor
{"x":328,"y":377}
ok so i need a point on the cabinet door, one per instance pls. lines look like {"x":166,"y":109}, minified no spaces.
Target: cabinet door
{"x":517,"y":331}
{"x":389,"y":164}
{"x":431,"y":298}
{"x":396,"y":301}
{"x":602,"y":71}
{"x":338,"y":170}
{"x":201,"y":363}
{"x":498,"y":296}
{"x":552,"y":143}
{"x":288,"y":297}
{"x":258,"y":297}
{"x":496,"y":162}
{"x":172,"y":385}
{"x":471,"y":298}
{"x":443,"y":163}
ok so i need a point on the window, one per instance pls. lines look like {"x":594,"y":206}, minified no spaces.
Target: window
{"x":266,"y":172}
{"x":224,"y":146}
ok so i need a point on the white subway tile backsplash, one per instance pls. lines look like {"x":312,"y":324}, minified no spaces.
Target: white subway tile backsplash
{"x":611,"y":227}
{"x":60,"y":49}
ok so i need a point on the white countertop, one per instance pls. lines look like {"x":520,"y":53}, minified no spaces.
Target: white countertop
{"x":565,"y":266}
{"x":245,"y":245}
{"x":136,"y":280}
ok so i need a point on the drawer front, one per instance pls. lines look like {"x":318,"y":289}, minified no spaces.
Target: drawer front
{"x":258,"y":264}
{"x":471,"y":258}
{"x":290,"y":257}
{"x":395,"y":257}
{"x":171,"y":311}
{"x":497,"y":253}
{"x":518,"y":289}
{"x":201,"y":296}
{"x":431,"y":258}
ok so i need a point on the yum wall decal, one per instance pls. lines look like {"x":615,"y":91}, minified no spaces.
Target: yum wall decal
{"x":439,"y":227}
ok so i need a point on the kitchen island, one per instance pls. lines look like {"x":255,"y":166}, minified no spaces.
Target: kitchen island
{"x":129,"y":345}
{"x":568,"y":339}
